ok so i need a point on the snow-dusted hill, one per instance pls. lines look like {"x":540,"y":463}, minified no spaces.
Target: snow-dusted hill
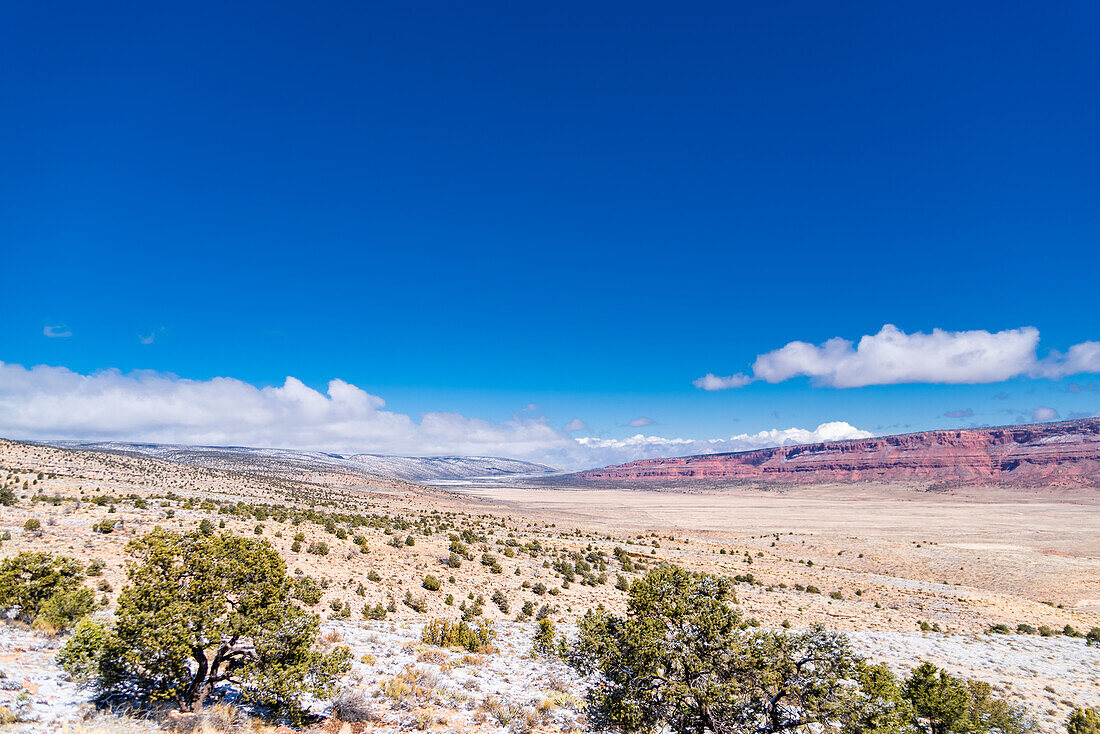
{"x":289,"y":461}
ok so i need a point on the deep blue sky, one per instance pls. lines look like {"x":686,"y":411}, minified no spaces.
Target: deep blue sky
{"x":475,"y":206}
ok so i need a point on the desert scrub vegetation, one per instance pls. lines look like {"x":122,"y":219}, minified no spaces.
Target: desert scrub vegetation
{"x":1084,"y":721}
{"x":200,"y":611}
{"x":442,"y":633}
{"x":683,"y":659}
{"x":44,"y":590}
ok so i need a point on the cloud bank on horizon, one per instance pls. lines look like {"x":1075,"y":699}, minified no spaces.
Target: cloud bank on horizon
{"x":46,"y":403}
{"x":893,"y":357}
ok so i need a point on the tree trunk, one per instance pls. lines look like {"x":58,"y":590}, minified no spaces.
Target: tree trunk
{"x":198,"y":689}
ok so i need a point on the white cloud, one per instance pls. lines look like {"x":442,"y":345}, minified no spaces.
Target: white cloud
{"x":576,"y":425}
{"x":640,"y":422}
{"x":55,"y":332}
{"x":646,"y":447}
{"x":1043,"y":413}
{"x":713,"y":382}
{"x":893,"y":357}
{"x":152,"y":337}
{"x":1079,"y":359}
{"x":45,"y":402}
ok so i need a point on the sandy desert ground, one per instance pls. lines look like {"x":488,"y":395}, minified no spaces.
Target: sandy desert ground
{"x":872,"y":560}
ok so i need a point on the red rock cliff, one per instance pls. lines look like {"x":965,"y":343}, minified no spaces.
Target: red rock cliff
{"x":1040,"y":453}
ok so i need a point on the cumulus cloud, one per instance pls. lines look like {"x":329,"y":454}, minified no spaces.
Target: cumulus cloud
{"x":576,"y":425}
{"x":1043,"y":413}
{"x":43,"y":402}
{"x":964,"y":413}
{"x":646,"y":447}
{"x":55,"y":332}
{"x":893,"y":357}
{"x":640,"y":422}
{"x":714,"y":382}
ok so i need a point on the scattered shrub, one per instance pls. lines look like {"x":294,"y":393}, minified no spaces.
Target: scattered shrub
{"x":543,"y":642}
{"x":442,"y":633}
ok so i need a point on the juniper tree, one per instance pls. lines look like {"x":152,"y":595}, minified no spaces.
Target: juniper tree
{"x":29,"y":580}
{"x":200,"y":611}
{"x":682,"y":659}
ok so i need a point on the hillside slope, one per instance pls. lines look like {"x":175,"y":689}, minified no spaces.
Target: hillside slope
{"x":286,"y":462}
{"x":1046,"y":453}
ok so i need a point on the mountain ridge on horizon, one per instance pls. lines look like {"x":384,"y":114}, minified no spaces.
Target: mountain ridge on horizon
{"x":1032,"y":452}
{"x":248,"y":458}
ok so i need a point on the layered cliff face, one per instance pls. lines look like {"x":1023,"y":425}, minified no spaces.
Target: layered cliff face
{"x":1066,"y":452}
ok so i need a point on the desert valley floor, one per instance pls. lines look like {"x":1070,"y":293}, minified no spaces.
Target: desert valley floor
{"x":880,"y":562}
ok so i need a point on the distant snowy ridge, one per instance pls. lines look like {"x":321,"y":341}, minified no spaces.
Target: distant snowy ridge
{"x":284,"y":461}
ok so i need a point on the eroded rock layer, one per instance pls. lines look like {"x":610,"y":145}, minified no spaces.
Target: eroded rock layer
{"x":1042,"y":453}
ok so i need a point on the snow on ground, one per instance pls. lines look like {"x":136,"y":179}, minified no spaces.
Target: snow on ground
{"x":469,"y":691}
{"x":1048,"y":675}
{"x":409,"y":685}
{"x":32,"y":687}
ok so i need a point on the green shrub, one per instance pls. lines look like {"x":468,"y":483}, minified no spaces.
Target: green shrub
{"x":431,"y":583}
{"x":1083,"y":721}
{"x":105,"y":526}
{"x":376,"y":612}
{"x":442,"y":633}
{"x":64,"y":609}
{"x":33,"y":525}
{"x":415,"y":603}
{"x":543,"y":642}
{"x":80,"y":656}
{"x":307,"y":590}
{"x":501,"y":600}
{"x":29,"y":579}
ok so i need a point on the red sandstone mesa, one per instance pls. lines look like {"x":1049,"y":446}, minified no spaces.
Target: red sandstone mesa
{"x":1045,"y":453}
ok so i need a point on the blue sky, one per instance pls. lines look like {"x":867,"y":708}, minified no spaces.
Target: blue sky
{"x":473,"y":208}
